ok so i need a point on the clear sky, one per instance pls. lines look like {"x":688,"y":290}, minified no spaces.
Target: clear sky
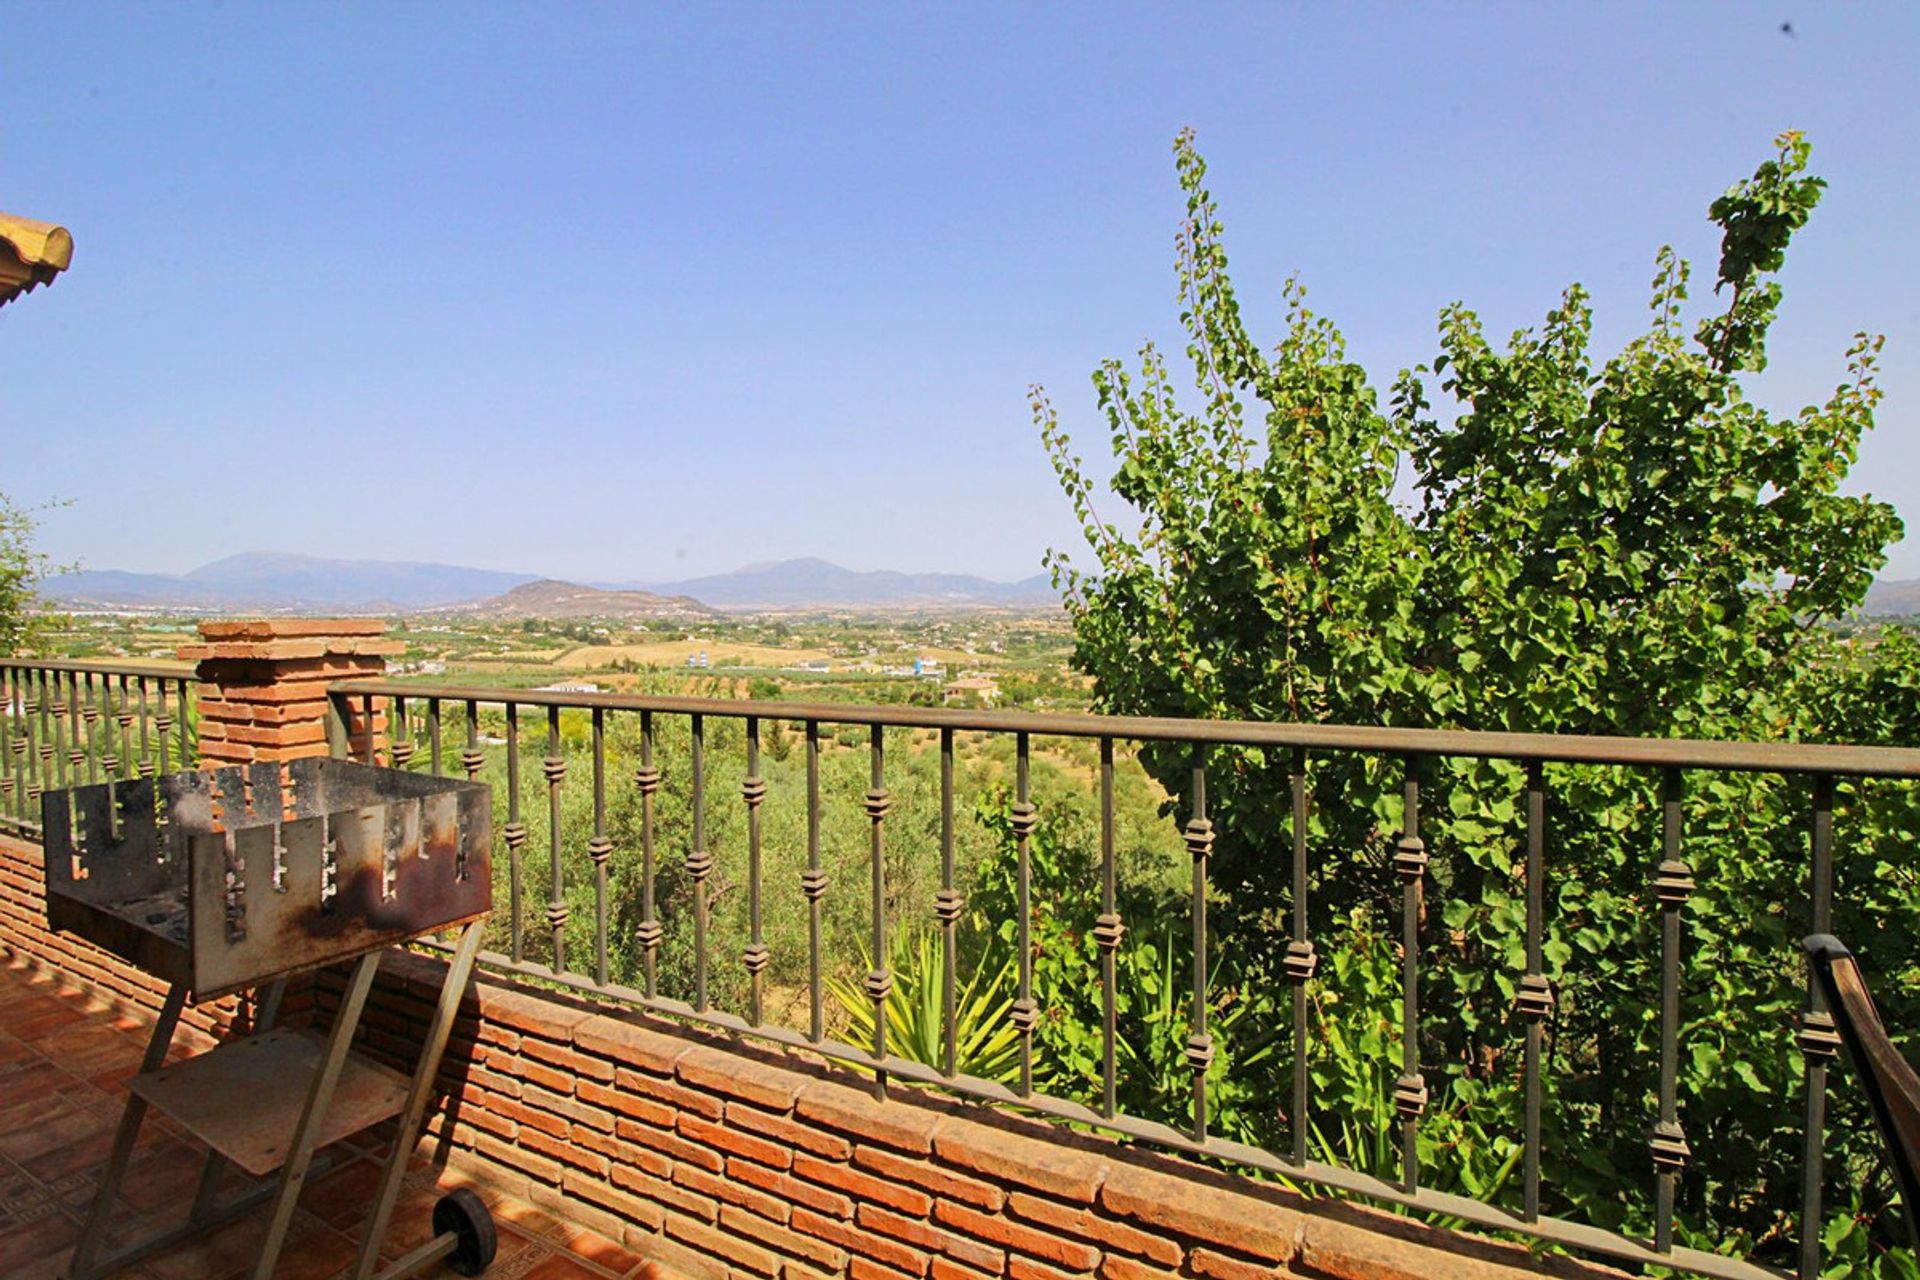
{"x":632,"y":291}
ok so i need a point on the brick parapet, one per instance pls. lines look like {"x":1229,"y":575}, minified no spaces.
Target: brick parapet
{"x":721,"y":1160}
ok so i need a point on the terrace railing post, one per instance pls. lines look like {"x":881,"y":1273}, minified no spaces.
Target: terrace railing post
{"x":1819,"y":1037}
{"x":1410,"y":1090}
{"x":1534,"y":1000}
{"x":1301,"y":961}
{"x":646,"y":779}
{"x":813,"y":883}
{"x":753,"y":790}
{"x":880,"y":977}
{"x":1108,"y":930}
{"x":554,"y":769}
{"x":1025,"y":1014}
{"x":514,"y":835}
{"x":600,"y":847}
{"x":699,"y":862}
{"x":1672,"y":886}
{"x":1199,"y":837}
{"x":948,"y":905}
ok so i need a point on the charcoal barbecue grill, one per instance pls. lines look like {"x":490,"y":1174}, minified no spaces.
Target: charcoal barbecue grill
{"x":239,"y":878}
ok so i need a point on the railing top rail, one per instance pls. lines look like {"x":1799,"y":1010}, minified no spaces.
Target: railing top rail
{"x":1653,"y":753}
{"x":149,"y":670}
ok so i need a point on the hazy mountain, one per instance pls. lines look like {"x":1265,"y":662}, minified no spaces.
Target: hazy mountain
{"x":1898,"y":599}
{"x":550,"y":599}
{"x":270,"y":582}
{"x":292,"y":583}
{"x":815,"y":583}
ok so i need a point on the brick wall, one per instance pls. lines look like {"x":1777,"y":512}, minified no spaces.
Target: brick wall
{"x":723,"y":1161}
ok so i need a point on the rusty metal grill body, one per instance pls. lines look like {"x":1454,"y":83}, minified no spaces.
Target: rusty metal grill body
{"x":233,"y":879}
{"x":236,"y":878}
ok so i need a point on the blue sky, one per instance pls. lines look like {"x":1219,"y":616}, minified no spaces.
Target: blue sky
{"x":640,"y":292}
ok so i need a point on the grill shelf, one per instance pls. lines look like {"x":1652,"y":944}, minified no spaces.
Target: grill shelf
{"x":237,"y":878}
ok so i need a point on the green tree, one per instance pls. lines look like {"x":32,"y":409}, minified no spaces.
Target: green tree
{"x":21,"y":568}
{"x":1629,"y":546}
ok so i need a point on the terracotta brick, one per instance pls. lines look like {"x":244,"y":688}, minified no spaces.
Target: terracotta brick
{"x":1066,"y":1172}
{"x":1188,"y":1207}
{"x":733,"y":1142}
{"x":665,"y":1193}
{"x":791,"y":1189}
{"x":530,"y":1014}
{"x":948,"y":1269}
{"x":731,"y":1191}
{"x":654,"y":1113}
{"x":539,"y":1073}
{"x":525,"y":1116}
{"x":1116,"y":1267}
{"x":780,"y":1238}
{"x":1073,"y":1254}
{"x":674,"y":1095}
{"x":943,"y":1183}
{"x":717,"y":1071}
{"x":830,"y":1146}
{"x":580,"y":1113}
{"x":863,"y":1243}
{"x":283,"y":628}
{"x":867,"y":1269}
{"x":864,"y":1186}
{"x":669,"y":1144}
{"x":526,"y":1161}
{"x":1220,"y":1266}
{"x":712,"y":1240}
{"x":629,"y":1044}
{"x":894,"y":1124}
{"x":1088,"y":1225}
{"x":566,"y":1059}
{"x":564,"y":1151}
{"x":1027,"y":1269}
{"x":923,"y":1235}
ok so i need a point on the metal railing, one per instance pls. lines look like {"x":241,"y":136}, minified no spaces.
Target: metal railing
{"x":1671,"y":881}
{"x":66,"y":724}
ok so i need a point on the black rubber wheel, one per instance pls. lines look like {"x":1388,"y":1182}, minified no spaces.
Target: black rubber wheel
{"x":465,"y":1215}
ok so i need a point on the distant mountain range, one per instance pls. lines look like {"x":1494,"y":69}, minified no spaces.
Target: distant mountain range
{"x":814,"y":583}
{"x":550,"y":599}
{"x":278,"y":583}
{"x":1897,"y":599}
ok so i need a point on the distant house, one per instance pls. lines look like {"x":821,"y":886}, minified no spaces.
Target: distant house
{"x":812,"y":664}
{"x":569,"y":686}
{"x":981,"y":688}
{"x":697,"y":659}
{"x":929,"y":669}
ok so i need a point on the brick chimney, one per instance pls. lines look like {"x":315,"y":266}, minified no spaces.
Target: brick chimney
{"x":263,"y":685}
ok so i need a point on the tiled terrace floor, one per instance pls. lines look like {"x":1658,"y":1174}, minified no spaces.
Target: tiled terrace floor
{"x":64,"y":1060}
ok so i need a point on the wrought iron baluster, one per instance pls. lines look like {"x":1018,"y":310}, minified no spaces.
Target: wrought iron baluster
{"x":947,"y":907}
{"x":1199,"y":835}
{"x":62,"y":709}
{"x":699,"y":864}
{"x":1025,"y":1014}
{"x":813,"y":883}
{"x":400,"y":738}
{"x":514,"y":833}
{"x":1410,"y":1090}
{"x":1819,"y":1038}
{"x":472,"y":758}
{"x":554,"y":768}
{"x":77,"y":737}
{"x":433,"y":737}
{"x":753,"y":789}
{"x":147,"y":766}
{"x":163,"y":727}
{"x":647,"y":779}
{"x":1672,"y":886}
{"x":1107,"y":933}
{"x":123,"y":716}
{"x":1301,"y":959}
{"x":186,"y":721}
{"x":90,"y":715}
{"x":880,"y":976}
{"x":1534,"y":1000}
{"x":8,"y":783}
{"x":367,"y":753}
{"x":599,"y":848}
{"x":26,"y":746}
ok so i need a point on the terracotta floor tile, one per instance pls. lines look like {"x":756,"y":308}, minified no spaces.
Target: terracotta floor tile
{"x":562,"y":1267}
{"x":602,"y":1252}
{"x":62,"y":1126}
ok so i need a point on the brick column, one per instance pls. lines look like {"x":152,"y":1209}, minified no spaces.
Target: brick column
{"x":263,"y":685}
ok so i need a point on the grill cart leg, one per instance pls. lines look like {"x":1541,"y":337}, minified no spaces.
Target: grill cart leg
{"x":424,"y":1072}
{"x":319,"y":1095}
{"x":123,"y":1139}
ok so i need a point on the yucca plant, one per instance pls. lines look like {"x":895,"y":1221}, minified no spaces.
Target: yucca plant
{"x":985,"y":1043}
